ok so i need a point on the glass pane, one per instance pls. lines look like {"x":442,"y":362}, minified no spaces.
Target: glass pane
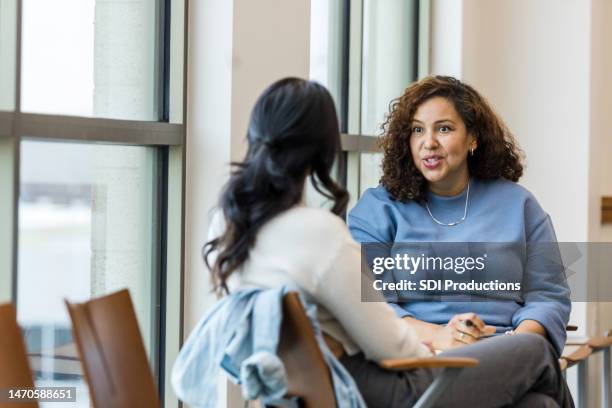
{"x":389,"y":57}
{"x":89,"y":58}
{"x":326,"y":47}
{"x":86,"y":216}
{"x":370,"y":171}
{"x":8,"y":35}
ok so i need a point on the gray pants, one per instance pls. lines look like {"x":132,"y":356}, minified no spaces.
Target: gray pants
{"x":514,"y":371}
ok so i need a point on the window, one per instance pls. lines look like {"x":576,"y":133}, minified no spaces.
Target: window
{"x":388,"y":63}
{"x":367,"y":52}
{"x":86,"y":228}
{"x":91,"y":164}
{"x":93,"y":58}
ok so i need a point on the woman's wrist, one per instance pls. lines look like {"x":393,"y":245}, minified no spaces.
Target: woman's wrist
{"x":426,"y":332}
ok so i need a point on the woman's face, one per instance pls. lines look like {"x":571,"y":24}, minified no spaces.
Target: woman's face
{"x":439,"y":143}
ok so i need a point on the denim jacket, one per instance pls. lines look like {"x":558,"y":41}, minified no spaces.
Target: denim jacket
{"x":240,"y":336}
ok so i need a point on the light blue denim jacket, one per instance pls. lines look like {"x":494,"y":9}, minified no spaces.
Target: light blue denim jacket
{"x":240,"y":335}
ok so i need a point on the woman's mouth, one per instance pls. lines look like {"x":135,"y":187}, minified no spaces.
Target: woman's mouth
{"x":431,"y":162}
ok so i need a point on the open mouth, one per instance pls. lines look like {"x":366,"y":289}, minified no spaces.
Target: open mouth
{"x":432,"y":161}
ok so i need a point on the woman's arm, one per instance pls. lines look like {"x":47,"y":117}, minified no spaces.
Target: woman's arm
{"x":372,"y":325}
{"x":531,"y":326}
{"x":424,"y":330}
{"x":545,"y":291}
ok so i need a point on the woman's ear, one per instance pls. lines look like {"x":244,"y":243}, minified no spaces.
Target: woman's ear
{"x":473,"y":142}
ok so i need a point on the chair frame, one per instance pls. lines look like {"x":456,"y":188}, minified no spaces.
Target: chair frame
{"x":580,"y":358}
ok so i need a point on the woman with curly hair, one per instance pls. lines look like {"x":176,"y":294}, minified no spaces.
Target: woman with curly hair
{"x":450,"y":169}
{"x":264,"y":236}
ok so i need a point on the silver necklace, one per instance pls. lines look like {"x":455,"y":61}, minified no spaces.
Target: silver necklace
{"x":452,"y":224}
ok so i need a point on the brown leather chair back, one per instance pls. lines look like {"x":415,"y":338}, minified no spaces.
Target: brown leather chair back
{"x":112,"y":352}
{"x":14,"y":366}
{"x":308,"y":374}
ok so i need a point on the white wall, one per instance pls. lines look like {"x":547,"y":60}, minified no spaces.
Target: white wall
{"x":603,"y":69}
{"x":543,"y":65}
{"x":535,"y":71}
{"x":271,"y":41}
{"x":532,"y":60}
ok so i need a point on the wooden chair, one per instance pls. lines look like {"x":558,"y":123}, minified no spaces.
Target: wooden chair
{"x":577,"y":355}
{"x":112,"y":352}
{"x":310,"y":382}
{"x":604,"y":344}
{"x":577,"y":352}
{"x":14,"y":366}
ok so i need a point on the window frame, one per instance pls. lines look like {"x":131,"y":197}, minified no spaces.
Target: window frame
{"x":354,"y":141}
{"x":167,"y":135}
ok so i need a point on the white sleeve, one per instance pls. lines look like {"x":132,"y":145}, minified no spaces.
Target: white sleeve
{"x":217,"y":225}
{"x":372,"y":325}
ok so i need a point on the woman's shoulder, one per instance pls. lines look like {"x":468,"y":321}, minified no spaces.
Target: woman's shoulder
{"x":504,"y":188}
{"x":509,"y":193}
{"x":317,"y":221}
{"x":302,"y":219}
{"x":378,"y":193}
{"x":372,"y":200}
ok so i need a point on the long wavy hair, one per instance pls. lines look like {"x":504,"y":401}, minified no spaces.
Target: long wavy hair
{"x":293,"y":133}
{"x":498,"y":154}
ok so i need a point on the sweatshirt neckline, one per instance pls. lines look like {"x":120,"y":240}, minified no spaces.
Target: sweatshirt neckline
{"x":435,"y":198}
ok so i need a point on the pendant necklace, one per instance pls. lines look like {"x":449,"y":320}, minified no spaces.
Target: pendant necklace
{"x":452,"y":224}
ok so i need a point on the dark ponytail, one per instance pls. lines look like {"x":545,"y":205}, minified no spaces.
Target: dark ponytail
{"x":293,"y":133}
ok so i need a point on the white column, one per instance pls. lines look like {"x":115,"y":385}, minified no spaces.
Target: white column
{"x":123,"y":185}
{"x":388,"y":44}
{"x":125,"y":39}
{"x":8,"y":34}
{"x":7,"y":212}
{"x":237,"y":48}
{"x":446,"y":37}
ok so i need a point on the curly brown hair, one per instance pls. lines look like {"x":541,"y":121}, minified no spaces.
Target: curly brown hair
{"x":498,"y":154}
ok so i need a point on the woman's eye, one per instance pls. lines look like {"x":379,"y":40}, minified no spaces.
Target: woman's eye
{"x":445,"y":129}
{"x":417,"y":129}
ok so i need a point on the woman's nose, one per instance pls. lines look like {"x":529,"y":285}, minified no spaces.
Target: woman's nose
{"x":430,"y":142}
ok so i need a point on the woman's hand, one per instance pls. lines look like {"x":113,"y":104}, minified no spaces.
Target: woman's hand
{"x":462,"y":329}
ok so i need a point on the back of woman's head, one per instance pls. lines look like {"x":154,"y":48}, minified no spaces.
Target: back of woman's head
{"x":293,"y":132}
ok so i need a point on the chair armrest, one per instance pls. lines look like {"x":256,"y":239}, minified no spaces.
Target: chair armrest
{"x":599,"y":342}
{"x":427,"y":362}
{"x":577,"y":355}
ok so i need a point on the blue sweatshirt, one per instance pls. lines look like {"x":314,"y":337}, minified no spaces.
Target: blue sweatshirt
{"x":499,"y":211}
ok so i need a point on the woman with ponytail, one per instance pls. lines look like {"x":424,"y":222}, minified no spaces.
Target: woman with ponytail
{"x":265,"y":236}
